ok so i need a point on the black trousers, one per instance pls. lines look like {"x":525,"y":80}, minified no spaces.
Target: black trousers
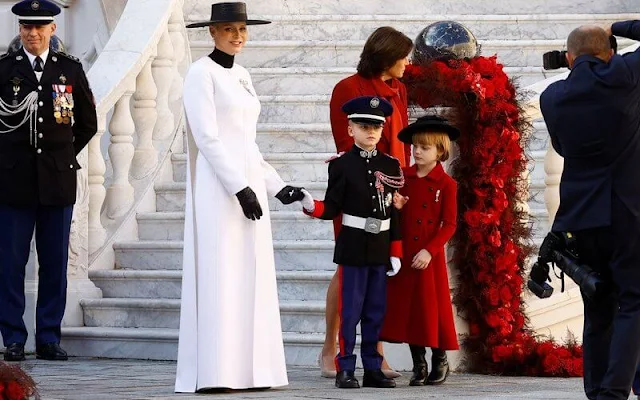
{"x":611,"y":336}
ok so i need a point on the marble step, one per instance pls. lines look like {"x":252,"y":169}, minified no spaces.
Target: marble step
{"x":346,"y":53}
{"x":359,"y":27}
{"x":427,"y":8}
{"x":284,"y":225}
{"x":296,"y":316}
{"x":170,"y":196}
{"x":290,"y":255}
{"x":321,"y":80}
{"x":162,"y":344}
{"x":299,"y":109}
{"x":166,"y":284}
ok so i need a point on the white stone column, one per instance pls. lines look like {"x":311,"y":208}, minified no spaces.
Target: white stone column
{"x":145,"y":116}
{"x":553,"y":166}
{"x":97,"y":191}
{"x":120,"y":195}
{"x":78,"y":284}
{"x":178,"y":41}
{"x":163,"y":74}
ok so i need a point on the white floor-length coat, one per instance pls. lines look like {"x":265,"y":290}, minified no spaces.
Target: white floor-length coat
{"x":230,"y":333}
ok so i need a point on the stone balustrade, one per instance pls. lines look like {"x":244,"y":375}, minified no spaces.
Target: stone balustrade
{"x":136,"y":81}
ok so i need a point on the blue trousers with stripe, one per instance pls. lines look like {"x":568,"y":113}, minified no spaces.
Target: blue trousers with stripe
{"x":52,"y":225}
{"x":362,"y":298}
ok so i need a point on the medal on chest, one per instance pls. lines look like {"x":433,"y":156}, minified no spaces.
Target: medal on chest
{"x":394,"y":182}
{"x":63,"y":102}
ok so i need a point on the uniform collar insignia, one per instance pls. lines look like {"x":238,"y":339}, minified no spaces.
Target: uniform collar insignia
{"x":19,"y":58}
{"x":368,"y":154}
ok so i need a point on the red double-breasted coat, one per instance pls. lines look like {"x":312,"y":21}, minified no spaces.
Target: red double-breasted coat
{"x":419,"y":309}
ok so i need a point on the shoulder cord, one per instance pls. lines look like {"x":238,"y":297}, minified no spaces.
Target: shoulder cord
{"x":28,"y":106}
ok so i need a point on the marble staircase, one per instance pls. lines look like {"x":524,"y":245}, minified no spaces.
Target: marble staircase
{"x":294,"y":64}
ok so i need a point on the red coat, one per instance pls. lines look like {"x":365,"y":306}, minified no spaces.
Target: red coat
{"x":419,"y":309}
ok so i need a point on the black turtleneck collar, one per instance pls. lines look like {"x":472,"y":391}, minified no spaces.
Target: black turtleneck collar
{"x":223,"y":59}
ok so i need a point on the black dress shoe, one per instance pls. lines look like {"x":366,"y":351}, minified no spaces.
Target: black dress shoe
{"x":376,"y":378}
{"x":346,"y":380}
{"x":14,"y":352}
{"x":439,"y":368}
{"x":51,"y":352}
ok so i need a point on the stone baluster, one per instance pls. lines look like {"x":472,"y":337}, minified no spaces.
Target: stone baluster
{"x":553,"y":166}
{"x":178,"y":40}
{"x":120,"y":195}
{"x":145,"y":116}
{"x":97,"y":191}
{"x":163,"y":74}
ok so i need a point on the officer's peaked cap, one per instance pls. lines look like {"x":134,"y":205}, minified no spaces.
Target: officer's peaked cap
{"x":368,"y":110}
{"x":35,"y":12}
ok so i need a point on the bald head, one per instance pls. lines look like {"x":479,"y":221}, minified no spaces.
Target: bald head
{"x":589,"y":40}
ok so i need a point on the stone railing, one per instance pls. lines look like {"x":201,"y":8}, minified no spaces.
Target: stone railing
{"x":553,"y":162}
{"x":137,"y":84}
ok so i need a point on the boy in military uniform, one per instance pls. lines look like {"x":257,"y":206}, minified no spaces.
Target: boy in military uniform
{"x":47,"y":117}
{"x":361,"y":186}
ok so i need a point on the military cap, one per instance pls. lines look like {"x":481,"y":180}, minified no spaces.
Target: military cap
{"x":428,"y":123}
{"x":35,"y":12}
{"x":368,"y":110}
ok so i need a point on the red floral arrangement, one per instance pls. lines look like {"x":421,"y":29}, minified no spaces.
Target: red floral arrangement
{"x":492,"y":242}
{"x":15,"y":384}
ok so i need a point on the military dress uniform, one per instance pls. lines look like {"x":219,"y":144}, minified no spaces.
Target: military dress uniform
{"x":47,"y":116}
{"x":361,"y":185}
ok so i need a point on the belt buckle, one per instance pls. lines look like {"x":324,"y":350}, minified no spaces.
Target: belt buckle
{"x":372,"y":225}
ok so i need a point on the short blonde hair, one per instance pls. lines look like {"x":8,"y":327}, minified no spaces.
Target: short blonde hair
{"x":439,"y":139}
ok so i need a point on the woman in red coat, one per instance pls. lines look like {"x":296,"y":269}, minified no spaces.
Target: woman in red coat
{"x":382,"y":63}
{"x":419,"y":310}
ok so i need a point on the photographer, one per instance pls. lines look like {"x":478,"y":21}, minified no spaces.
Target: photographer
{"x":593,"y":118}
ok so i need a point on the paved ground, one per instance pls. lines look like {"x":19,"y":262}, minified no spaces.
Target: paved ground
{"x":98,"y":379}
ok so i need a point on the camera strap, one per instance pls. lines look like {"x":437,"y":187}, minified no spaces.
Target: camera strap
{"x":561,"y":276}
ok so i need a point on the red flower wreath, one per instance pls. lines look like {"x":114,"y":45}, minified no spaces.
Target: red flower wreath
{"x":15,"y":384}
{"x":490,"y":244}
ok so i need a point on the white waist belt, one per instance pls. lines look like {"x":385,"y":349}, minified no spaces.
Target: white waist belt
{"x":371,"y":225}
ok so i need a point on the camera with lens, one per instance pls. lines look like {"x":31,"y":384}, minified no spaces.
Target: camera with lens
{"x":558,"y":59}
{"x":559,"y":249}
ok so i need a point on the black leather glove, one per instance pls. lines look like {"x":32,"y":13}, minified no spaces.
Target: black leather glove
{"x":290,"y":194}
{"x":249,"y":203}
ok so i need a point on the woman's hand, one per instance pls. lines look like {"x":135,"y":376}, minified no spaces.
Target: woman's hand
{"x":399,"y":200}
{"x":307,"y":201}
{"x":421,"y":260}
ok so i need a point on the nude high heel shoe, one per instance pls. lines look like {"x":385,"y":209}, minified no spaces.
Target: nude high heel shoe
{"x":325,"y":373}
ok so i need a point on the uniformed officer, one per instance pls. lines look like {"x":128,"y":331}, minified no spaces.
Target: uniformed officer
{"x":361,"y":186}
{"x":47,"y":116}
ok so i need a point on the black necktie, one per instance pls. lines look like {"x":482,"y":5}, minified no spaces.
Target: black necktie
{"x":38,"y":64}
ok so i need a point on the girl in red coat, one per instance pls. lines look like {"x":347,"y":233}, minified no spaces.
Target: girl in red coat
{"x":419,"y":310}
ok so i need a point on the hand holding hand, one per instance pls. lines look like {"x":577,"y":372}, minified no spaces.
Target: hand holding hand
{"x":395,"y":266}
{"x":290,"y":194}
{"x":249,"y":203}
{"x":307,"y":201}
{"x":421,"y":260}
{"x":399,"y":200}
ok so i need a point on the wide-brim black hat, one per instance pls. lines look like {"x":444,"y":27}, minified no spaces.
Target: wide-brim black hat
{"x":228,"y":12}
{"x":428,"y":123}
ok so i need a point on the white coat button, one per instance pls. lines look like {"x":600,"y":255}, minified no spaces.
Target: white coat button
{"x":373,"y":197}
{"x":40,"y":135}
{"x":370,"y":184}
{"x":374,"y":210}
{"x":71,"y":166}
{"x":40,"y":119}
{"x":369,"y":171}
{"x":40,"y":104}
{"x":39,"y":151}
{"x":39,"y":87}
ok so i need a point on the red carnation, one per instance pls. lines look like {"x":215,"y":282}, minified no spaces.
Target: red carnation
{"x":14,"y":391}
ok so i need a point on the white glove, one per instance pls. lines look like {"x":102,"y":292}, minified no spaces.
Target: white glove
{"x":307,"y":201}
{"x":395,"y":266}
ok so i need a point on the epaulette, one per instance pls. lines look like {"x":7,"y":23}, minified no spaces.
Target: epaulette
{"x":334,"y":157}
{"x":69,"y":56}
{"x":5,"y":55}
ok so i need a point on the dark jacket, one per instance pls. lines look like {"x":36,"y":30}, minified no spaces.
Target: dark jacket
{"x":593,"y":119}
{"x":40,"y":168}
{"x":352,"y":190}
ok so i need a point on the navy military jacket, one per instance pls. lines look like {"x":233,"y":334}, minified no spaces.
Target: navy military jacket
{"x":593,"y":120}
{"x":38,"y":166}
{"x":352,"y":190}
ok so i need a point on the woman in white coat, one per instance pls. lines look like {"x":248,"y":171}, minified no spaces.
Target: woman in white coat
{"x":230,"y":334}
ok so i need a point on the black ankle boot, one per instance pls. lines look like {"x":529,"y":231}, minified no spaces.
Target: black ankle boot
{"x":419,"y":366}
{"x":439,"y":367}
